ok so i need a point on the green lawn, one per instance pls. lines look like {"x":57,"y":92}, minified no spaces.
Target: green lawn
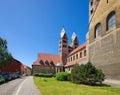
{"x":50,"y":86}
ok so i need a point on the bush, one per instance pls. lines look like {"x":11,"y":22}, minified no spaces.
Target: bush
{"x":63,"y":76}
{"x":44,"y":75}
{"x":87,"y":74}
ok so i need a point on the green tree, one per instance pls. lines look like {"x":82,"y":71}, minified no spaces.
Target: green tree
{"x":5,"y":56}
{"x":87,"y":74}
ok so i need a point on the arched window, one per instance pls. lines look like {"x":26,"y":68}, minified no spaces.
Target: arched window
{"x":98,"y":30}
{"x":80,"y":54}
{"x":52,"y":63}
{"x":46,"y":62}
{"x":111,"y":21}
{"x":41,"y":62}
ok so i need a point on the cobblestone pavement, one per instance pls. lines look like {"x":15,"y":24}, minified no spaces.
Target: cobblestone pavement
{"x":22,"y":86}
{"x":113,"y":83}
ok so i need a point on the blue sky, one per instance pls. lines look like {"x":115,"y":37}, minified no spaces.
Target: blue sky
{"x":32,"y":26}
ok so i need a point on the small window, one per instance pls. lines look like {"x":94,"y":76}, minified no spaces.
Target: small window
{"x":91,"y":11}
{"x":64,"y":45}
{"x":46,"y":62}
{"x":64,"y":41}
{"x":71,"y":58}
{"x":52,"y":63}
{"x":111,"y":21}
{"x":98,"y":30}
{"x":91,"y":3}
{"x":80,"y":54}
{"x":76,"y":56}
{"x":107,"y":1}
{"x":41,"y":62}
{"x":84,"y":52}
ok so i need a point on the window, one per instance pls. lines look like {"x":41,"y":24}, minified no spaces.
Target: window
{"x":46,"y":62}
{"x":91,"y":3}
{"x":52,"y":63}
{"x":41,"y":62}
{"x":64,"y":46}
{"x":84,"y":52}
{"x":76,"y":56}
{"x":80,"y":54}
{"x":107,"y":1}
{"x":64,"y":41}
{"x":98,"y":30}
{"x":71,"y":58}
{"x":111,"y":21}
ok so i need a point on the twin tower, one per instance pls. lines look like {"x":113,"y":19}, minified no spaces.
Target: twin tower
{"x":64,"y":48}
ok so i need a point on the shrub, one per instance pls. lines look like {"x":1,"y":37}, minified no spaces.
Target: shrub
{"x":62,"y":76}
{"x":44,"y":75}
{"x":86,"y":74}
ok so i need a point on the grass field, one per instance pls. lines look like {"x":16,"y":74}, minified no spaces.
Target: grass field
{"x":50,"y":86}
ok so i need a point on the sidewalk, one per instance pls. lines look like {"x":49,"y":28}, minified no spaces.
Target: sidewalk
{"x":113,"y":83}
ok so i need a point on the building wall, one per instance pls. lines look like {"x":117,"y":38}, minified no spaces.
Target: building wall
{"x":104,"y":51}
{"x":43,"y":69}
{"x":74,"y":57}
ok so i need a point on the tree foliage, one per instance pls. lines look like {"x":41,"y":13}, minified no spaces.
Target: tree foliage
{"x":87,"y":74}
{"x":5,"y":56}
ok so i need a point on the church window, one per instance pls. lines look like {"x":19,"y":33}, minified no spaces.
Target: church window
{"x":111,"y":21}
{"x":98,"y":30}
{"x":91,"y":3}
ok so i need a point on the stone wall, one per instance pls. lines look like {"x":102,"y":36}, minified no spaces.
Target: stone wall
{"x":104,"y":52}
{"x":43,"y":69}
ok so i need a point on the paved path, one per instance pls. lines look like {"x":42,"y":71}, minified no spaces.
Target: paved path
{"x":22,"y":86}
{"x":113,"y":83}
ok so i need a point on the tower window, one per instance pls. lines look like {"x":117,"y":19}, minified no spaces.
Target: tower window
{"x":64,"y":41}
{"x":91,"y":11}
{"x":91,"y":3}
{"x":111,"y":21}
{"x":98,"y":30}
{"x":64,"y":46}
{"x":107,"y":1}
{"x":84,"y":52}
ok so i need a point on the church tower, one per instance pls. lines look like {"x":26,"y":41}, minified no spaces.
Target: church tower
{"x":63,"y":46}
{"x":74,"y":41}
{"x":92,"y":8}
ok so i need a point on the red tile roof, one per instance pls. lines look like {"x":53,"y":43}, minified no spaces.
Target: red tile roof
{"x":75,"y":62}
{"x":49,"y":58}
{"x":77,"y":49}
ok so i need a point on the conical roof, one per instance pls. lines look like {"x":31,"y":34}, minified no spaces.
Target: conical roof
{"x":73,"y":36}
{"x":62,"y":33}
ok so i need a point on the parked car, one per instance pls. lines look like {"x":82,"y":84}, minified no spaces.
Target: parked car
{"x":7,"y":76}
{"x":2,"y":80}
{"x":17,"y":75}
